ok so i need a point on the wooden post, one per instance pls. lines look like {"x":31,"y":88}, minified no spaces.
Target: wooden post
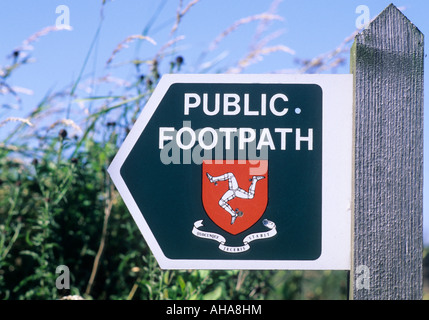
{"x":387,"y":63}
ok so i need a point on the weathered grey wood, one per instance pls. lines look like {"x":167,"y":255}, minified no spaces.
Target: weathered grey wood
{"x":387,"y":63}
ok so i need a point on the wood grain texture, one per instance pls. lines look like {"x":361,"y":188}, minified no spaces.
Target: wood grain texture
{"x":387,"y":63}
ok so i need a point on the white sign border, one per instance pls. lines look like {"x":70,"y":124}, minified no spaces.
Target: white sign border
{"x":336,"y":171}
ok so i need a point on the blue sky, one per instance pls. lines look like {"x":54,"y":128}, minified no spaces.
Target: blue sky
{"x":308,"y":27}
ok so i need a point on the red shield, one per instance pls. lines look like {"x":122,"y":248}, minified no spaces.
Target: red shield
{"x":235,"y":192}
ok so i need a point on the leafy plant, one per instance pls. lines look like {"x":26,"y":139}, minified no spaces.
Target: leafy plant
{"x":59,"y":207}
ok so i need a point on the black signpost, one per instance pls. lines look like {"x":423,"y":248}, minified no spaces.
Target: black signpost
{"x":226,"y":172}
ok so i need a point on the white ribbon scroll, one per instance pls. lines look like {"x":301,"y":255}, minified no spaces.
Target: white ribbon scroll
{"x":271,"y":232}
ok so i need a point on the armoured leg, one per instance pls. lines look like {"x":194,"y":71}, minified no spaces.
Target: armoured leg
{"x":232,"y":181}
{"x":253,"y":185}
{"x":240,"y":193}
{"x":223,"y":202}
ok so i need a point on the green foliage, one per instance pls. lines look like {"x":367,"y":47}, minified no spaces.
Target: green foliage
{"x":52,"y":213}
{"x":59,"y":207}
